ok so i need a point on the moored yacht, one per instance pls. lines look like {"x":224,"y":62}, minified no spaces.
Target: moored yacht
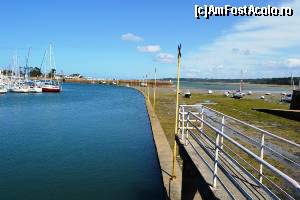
{"x":51,"y":86}
{"x":20,"y":88}
{"x":3,"y":89}
{"x":34,"y":87}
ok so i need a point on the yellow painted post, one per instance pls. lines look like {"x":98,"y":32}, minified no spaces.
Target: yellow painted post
{"x":176,"y":117}
{"x":148,"y":91}
{"x":154,"y":90}
{"x":145,"y":81}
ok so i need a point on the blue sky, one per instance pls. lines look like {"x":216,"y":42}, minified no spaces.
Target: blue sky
{"x":127,"y":39}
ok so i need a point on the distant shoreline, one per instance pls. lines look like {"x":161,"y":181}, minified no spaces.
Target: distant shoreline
{"x":283,"y":81}
{"x":234,"y":83}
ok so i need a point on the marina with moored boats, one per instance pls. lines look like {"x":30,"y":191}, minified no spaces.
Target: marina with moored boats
{"x":18,"y":81}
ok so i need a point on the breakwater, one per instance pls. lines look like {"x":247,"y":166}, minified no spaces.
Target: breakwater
{"x":159,"y":83}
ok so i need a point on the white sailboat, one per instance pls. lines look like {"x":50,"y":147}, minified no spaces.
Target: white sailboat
{"x":239,"y":94}
{"x":3,"y":89}
{"x":51,"y":86}
{"x":288,"y":97}
{"x":19,"y":86}
{"x":34,"y":87}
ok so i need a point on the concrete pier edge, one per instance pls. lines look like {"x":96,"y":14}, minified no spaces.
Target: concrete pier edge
{"x":165,"y":156}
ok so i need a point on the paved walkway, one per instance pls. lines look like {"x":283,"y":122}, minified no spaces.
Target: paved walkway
{"x":165,"y":156}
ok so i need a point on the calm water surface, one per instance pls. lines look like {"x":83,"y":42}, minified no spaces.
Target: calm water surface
{"x":88,"y":142}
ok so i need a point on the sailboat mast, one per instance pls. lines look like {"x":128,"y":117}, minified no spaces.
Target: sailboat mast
{"x":292,"y":82}
{"x":50,"y":56}
{"x":241,"y":83}
{"x":45,"y":66}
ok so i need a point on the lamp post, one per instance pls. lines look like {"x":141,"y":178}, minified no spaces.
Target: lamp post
{"x":148,"y":89}
{"x":154,"y":90}
{"x":176,"y":117}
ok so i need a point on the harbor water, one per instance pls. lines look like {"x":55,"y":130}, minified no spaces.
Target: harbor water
{"x":87,"y":142}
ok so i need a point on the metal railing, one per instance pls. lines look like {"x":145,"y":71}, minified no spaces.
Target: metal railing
{"x":233,"y":144}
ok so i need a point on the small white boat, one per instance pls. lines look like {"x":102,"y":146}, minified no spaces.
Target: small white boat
{"x":262,"y":97}
{"x":143,"y":84}
{"x":20,"y":89}
{"x":268,"y":93}
{"x":210,"y":91}
{"x":187,"y":94}
{"x":3,"y":90}
{"x":287,"y":98}
{"x":238,"y":95}
{"x":249,"y":93}
{"x":35,"y":89}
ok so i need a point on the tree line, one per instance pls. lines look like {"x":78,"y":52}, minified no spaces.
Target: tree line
{"x":33,"y":72}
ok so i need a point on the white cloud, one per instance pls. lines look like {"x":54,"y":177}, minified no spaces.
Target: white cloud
{"x":164,"y":58}
{"x":149,"y":48}
{"x":131,"y":37}
{"x":252,"y":44}
{"x":293,"y":62}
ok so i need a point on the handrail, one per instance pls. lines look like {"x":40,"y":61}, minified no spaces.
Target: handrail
{"x":261,"y":161}
{"x":254,"y":141}
{"x":245,"y":123}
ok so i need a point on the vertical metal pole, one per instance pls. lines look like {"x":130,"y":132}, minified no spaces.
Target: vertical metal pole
{"x":182,"y":122}
{"x":216,"y":161}
{"x":145,"y":81}
{"x":176,"y":115}
{"x":262,"y":143}
{"x":187,"y":129}
{"x":154,"y":90}
{"x":202,"y":117}
{"x":222,"y":130}
{"x":50,"y":56}
{"x":148,"y":91}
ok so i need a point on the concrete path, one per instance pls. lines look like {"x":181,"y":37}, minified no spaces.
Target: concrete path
{"x":165,"y":156}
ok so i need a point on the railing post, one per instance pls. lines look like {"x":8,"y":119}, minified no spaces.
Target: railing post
{"x":262,"y":143}
{"x":187,"y":129}
{"x":182,"y":122}
{"x":216,"y":160}
{"x":202,"y":117}
{"x":222,"y":130}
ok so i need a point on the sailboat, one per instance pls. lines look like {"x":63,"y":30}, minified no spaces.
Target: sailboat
{"x":239,"y":94}
{"x":19,"y":86}
{"x":34,"y":87}
{"x":3,"y":90}
{"x":288,"y":97}
{"x":51,"y":85}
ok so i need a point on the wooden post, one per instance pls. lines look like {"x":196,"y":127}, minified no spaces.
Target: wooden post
{"x":176,"y":117}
